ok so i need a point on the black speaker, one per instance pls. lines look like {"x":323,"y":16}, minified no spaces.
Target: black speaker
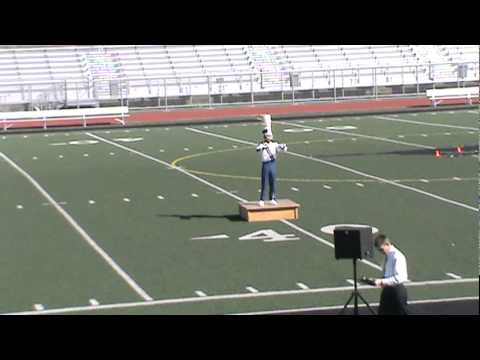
{"x":353,"y":242}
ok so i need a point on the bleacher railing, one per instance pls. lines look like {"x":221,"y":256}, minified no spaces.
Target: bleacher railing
{"x":66,"y":117}
{"x":303,"y":85}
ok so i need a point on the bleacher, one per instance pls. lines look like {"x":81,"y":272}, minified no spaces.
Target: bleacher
{"x":461,"y":53}
{"x":186,"y":67}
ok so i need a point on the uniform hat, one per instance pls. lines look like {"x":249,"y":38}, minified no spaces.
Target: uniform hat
{"x":267,"y":122}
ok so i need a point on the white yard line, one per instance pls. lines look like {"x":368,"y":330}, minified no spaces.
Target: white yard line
{"x":338,"y":307}
{"x":146,"y":156}
{"x":218,"y":188}
{"x":232,"y":191}
{"x":80,"y":230}
{"x":406,"y":187}
{"x":424,"y":123}
{"x":232,"y":296}
{"x":221,"y":136}
{"x":360,"y":135}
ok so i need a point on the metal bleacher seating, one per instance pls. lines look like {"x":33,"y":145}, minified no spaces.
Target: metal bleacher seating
{"x":144,"y":65}
{"x":457,"y":53}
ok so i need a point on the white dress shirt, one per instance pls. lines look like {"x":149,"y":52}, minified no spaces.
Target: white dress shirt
{"x":395,"y":268}
{"x":273,"y":146}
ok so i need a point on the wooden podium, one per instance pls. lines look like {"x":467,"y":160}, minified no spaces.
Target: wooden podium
{"x":284,"y":210}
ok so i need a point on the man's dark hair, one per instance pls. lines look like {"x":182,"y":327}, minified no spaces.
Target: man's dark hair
{"x":381,"y":239}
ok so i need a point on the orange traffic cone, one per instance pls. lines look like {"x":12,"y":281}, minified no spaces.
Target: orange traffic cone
{"x":438,"y":153}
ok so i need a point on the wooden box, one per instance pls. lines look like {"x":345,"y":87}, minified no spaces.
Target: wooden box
{"x":284,"y":210}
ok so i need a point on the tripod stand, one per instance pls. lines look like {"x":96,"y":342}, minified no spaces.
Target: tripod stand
{"x":355,"y":294}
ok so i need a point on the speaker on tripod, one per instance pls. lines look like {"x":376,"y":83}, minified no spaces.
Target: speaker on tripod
{"x":354,"y":242}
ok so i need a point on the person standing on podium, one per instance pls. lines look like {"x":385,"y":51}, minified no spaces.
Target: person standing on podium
{"x":268,"y":150}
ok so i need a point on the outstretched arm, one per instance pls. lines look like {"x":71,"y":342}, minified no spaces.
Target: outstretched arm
{"x":260,"y":146}
{"x":282,"y":147}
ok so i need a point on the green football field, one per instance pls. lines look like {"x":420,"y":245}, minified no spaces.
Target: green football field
{"x":145,"y":220}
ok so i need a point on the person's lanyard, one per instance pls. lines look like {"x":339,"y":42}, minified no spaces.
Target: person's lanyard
{"x":270,"y":154}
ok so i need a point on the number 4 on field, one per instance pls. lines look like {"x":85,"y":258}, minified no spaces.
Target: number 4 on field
{"x":268,"y":235}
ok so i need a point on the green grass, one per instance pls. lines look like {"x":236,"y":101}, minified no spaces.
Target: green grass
{"x":47,"y":262}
